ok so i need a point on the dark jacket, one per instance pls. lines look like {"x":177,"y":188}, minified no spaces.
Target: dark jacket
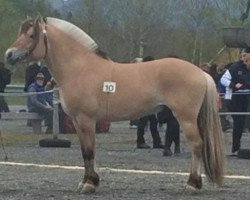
{"x":30,"y":75}
{"x":5,"y":78}
{"x":239,"y":74}
{"x":36,"y":101}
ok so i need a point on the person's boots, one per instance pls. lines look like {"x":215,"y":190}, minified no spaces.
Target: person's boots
{"x":177,"y":150}
{"x":167,"y":152}
{"x":158,"y":145}
{"x":143,"y":146}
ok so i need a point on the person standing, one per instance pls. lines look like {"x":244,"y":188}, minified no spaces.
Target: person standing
{"x":5,"y":78}
{"x":141,"y":144}
{"x":236,"y":80}
{"x":172,"y":132}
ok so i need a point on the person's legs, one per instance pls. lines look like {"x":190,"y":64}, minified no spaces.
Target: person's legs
{"x":140,"y":133}
{"x":172,"y":135}
{"x":154,"y":132}
{"x":176,"y":135}
{"x":223,"y":118}
{"x":3,"y":105}
{"x":238,"y":125}
{"x":133,"y":123}
{"x":168,"y":142}
{"x":48,"y":118}
{"x":239,"y":104}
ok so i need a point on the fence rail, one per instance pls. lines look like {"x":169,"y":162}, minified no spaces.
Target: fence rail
{"x":14,"y":88}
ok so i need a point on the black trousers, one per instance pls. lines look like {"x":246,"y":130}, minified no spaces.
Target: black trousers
{"x":134,"y":122}
{"x":223,"y":118}
{"x":173,"y":130}
{"x":3,"y":105}
{"x":153,"y":128}
{"x":238,"y":103}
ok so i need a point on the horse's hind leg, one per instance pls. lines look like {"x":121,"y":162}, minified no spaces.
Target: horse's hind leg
{"x":195,"y":143}
{"x":86,"y":131}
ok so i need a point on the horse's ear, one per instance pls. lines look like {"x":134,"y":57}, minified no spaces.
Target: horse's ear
{"x":37,"y":23}
{"x":39,"y":18}
{"x":45,"y":20}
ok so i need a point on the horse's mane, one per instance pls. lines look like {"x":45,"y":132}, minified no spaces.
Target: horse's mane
{"x":74,"y":32}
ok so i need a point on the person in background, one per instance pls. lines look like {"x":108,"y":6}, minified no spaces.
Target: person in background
{"x":5,"y":78}
{"x":141,"y":144}
{"x":31,"y":71}
{"x":226,"y":120}
{"x":172,"y":132}
{"x":236,"y":80}
{"x":173,"y":128}
{"x":30,"y":74}
{"x":38,"y":102}
{"x":211,"y":69}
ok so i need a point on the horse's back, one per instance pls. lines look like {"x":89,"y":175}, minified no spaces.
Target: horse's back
{"x":173,"y":82}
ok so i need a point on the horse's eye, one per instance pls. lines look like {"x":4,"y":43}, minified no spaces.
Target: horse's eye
{"x":32,"y":36}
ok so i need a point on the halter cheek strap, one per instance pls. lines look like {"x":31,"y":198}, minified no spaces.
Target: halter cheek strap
{"x":45,"y":43}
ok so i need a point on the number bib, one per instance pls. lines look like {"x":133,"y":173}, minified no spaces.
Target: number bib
{"x":109,"y":87}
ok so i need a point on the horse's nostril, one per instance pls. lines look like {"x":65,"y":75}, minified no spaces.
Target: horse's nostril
{"x":9,"y":54}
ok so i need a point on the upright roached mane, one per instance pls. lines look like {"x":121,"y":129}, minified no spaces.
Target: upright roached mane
{"x":141,"y":88}
{"x":74,"y":32}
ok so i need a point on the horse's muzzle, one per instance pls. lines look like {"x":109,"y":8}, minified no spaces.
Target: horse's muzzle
{"x":13,"y":55}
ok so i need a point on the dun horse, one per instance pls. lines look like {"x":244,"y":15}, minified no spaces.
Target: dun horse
{"x":93,"y":88}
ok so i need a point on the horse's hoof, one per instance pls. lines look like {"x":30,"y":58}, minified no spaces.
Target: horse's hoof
{"x":79,"y":187}
{"x":88,"y":188}
{"x":190,"y":190}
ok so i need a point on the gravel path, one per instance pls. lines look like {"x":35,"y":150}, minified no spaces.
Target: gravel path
{"x":116,"y":156}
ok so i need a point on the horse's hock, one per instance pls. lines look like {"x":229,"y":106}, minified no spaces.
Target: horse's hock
{"x":236,"y":37}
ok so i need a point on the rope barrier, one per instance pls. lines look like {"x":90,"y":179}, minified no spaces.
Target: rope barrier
{"x":56,"y":98}
{"x":234,"y":113}
{"x":236,"y":93}
{"x":24,"y":93}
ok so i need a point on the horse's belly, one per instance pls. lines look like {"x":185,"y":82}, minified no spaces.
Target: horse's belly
{"x":131,"y":109}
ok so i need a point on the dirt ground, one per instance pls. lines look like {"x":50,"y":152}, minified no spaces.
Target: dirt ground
{"x":35,"y":173}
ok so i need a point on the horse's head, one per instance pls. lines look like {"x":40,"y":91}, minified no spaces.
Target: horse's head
{"x":31,"y":43}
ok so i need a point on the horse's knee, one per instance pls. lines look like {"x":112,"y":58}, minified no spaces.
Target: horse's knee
{"x":195,"y":181}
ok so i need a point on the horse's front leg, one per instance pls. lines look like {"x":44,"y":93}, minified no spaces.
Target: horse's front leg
{"x":85,"y":127}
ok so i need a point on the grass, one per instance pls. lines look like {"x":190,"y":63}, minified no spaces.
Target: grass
{"x":17,"y":138}
{"x":16,"y":100}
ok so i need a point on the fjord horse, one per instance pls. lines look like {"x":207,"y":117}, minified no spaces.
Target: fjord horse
{"x":94,"y":88}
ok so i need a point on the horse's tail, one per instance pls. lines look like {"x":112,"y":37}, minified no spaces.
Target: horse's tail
{"x":211,"y":133}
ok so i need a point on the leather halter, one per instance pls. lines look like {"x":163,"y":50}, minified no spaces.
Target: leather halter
{"x":35,"y":44}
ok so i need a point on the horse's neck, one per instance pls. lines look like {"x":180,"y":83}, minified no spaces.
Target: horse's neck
{"x":66,"y":56}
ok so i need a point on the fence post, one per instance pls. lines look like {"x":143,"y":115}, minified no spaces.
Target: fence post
{"x":55,"y":115}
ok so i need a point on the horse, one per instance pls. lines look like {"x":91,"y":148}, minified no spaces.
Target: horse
{"x":92,"y":87}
